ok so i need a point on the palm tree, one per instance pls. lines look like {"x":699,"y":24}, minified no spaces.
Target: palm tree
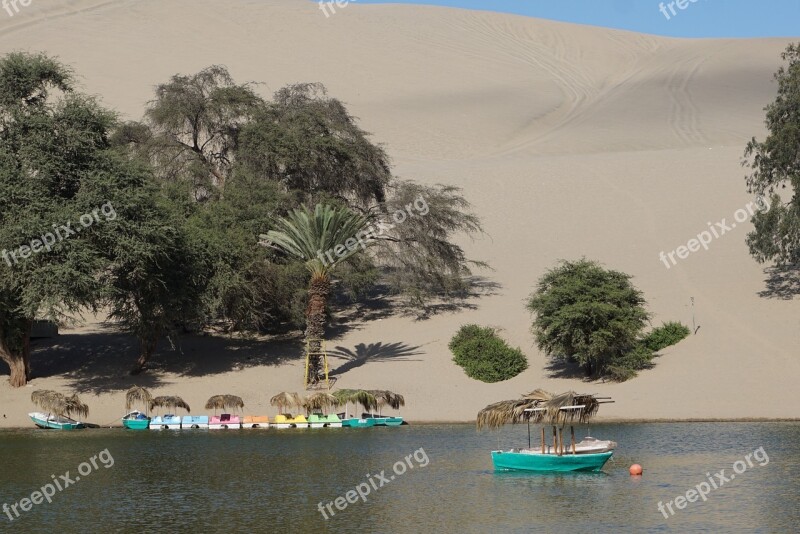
{"x":323,"y":239}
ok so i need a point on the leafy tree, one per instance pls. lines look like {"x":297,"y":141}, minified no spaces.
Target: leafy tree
{"x":158,"y":274}
{"x":485,"y":356}
{"x":191,"y":128}
{"x":309,"y":236}
{"x":588,"y":315}
{"x":309,"y":143}
{"x":776,"y":166}
{"x":56,"y":168}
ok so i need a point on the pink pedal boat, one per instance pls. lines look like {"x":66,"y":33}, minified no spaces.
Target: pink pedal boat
{"x":224,"y":422}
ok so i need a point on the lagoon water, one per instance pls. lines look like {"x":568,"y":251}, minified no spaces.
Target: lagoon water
{"x":272,"y":481}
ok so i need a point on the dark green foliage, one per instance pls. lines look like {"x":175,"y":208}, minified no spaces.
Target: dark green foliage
{"x":776,"y":167}
{"x":665,"y":335}
{"x":57,"y":165}
{"x":588,"y":315}
{"x":309,"y":143}
{"x":485,"y":356}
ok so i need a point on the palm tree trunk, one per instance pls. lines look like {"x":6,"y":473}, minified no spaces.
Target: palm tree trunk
{"x":318,"y":293}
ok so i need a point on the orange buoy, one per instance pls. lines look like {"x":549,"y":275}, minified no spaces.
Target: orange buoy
{"x":636,"y":470}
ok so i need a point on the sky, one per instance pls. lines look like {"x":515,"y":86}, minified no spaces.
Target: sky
{"x":700,"y":18}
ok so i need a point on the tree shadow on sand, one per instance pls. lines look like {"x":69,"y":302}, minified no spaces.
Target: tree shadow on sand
{"x":374,"y":352}
{"x":573,"y":371}
{"x":782,"y":282}
{"x":100,"y":362}
{"x":381,"y":303}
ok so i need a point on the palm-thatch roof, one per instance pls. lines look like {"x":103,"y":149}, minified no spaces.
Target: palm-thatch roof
{"x":223,"y":402}
{"x":169,"y":402}
{"x":359,"y":396}
{"x":320,"y":401}
{"x":54,"y":402}
{"x":137,"y":394}
{"x":74,"y":406}
{"x":540,"y":406}
{"x":384,"y":397}
{"x":285,"y":399}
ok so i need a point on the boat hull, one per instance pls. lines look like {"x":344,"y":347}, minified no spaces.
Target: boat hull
{"x":358,"y":423}
{"x":194,"y":422}
{"x":165,"y":423}
{"x":387,"y":421}
{"x":54,"y":423}
{"x":549,"y":463}
{"x":136,"y":424}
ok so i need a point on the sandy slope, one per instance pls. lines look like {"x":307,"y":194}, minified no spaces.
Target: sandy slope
{"x":569,"y":141}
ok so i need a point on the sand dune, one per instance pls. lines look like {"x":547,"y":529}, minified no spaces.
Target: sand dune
{"x":569,"y":140}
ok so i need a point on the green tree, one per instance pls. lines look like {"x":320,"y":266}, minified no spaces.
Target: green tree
{"x":191,"y":128}
{"x":776,"y":166}
{"x":588,"y":315}
{"x":158,"y":273}
{"x":308,"y":236}
{"x":309,"y":143}
{"x":56,"y":168}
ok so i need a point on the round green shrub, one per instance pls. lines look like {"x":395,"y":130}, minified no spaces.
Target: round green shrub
{"x":665,"y":335}
{"x":485,"y":356}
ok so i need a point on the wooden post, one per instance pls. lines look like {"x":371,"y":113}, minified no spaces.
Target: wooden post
{"x":543,"y":443}
{"x":572,"y":432}
{"x":555,"y":440}
{"x":529,"y":432}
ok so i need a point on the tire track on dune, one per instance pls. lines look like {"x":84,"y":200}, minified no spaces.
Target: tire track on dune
{"x":683,"y":115}
{"x":547,"y":51}
{"x":49,"y":16}
{"x":546,"y":48}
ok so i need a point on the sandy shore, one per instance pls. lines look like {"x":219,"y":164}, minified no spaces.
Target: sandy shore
{"x":570,"y":141}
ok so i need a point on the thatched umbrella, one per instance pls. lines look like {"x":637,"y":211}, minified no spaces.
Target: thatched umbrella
{"x":138,"y":394}
{"x":48,"y":400}
{"x":285,"y":399}
{"x":357,"y":396}
{"x":169,"y":402}
{"x":73,"y":405}
{"x":54,"y":402}
{"x":384,"y":397}
{"x":320,"y":401}
{"x":542,"y":406}
{"x":223,"y":402}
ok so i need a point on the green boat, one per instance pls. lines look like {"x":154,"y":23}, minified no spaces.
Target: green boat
{"x":383,"y":420}
{"x":136,"y":421}
{"x":358,"y":423}
{"x":588,"y":455}
{"x":318,"y":420}
{"x":549,"y":462}
{"x":54,"y":422}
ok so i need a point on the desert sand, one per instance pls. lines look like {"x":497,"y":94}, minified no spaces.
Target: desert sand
{"x":569,"y":140}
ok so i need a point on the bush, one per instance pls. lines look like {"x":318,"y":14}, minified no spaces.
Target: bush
{"x":626,"y":366}
{"x":665,"y":335}
{"x":485,"y":356}
{"x":590,"y":316}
